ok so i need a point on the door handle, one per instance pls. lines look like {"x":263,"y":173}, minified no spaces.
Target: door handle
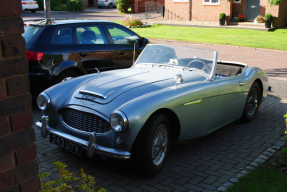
{"x":83,"y":54}
{"x":240,"y":83}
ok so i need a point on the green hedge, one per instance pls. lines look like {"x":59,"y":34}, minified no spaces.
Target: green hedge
{"x":54,"y":4}
{"x":74,"y":5}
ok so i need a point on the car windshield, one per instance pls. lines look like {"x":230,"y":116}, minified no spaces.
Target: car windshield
{"x":186,"y":58}
{"x":31,"y":33}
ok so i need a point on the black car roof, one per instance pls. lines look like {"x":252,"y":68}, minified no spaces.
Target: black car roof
{"x":45,"y":22}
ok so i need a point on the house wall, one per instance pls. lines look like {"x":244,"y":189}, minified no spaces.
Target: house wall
{"x":199,"y":12}
{"x":18,"y":164}
{"x":239,"y":8}
{"x":282,"y":22}
{"x":210,"y":12}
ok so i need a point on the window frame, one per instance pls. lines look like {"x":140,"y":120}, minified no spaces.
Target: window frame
{"x":99,"y":26}
{"x":122,"y":28}
{"x":237,"y":2}
{"x":56,"y":31}
{"x":209,"y":3}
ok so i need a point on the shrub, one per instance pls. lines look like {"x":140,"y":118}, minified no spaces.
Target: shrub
{"x":274,"y":2}
{"x":268,"y":17}
{"x":69,"y":181}
{"x":53,"y":3}
{"x":222,"y":16}
{"x":74,"y":5}
{"x":131,"y":21}
{"x":60,"y":7}
{"x":283,"y":152}
{"x":123,"y":5}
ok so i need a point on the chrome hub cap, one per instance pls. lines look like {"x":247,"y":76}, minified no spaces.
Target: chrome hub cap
{"x":159,"y":145}
{"x":252,"y":101}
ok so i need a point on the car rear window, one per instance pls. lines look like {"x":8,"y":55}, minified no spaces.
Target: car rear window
{"x":31,"y":33}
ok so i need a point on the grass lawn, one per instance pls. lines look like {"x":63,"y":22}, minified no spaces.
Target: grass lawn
{"x":239,"y":37}
{"x":261,"y":179}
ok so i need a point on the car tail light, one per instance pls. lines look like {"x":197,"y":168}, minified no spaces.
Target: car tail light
{"x":34,"y":55}
{"x":24,"y":3}
{"x":35,"y":3}
{"x":106,"y":0}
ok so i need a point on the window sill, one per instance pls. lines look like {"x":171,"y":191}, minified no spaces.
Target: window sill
{"x":210,"y":4}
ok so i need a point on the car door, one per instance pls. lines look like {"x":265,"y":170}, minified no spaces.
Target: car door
{"x":230,"y":100}
{"x":93,"y":49}
{"x":124,"y":41}
{"x":63,"y":48}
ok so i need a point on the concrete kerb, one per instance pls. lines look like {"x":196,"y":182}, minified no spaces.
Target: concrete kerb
{"x":260,"y":159}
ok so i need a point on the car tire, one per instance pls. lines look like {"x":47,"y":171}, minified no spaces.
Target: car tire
{"x":154,"y":137}
{"x":66,"y":75}
{"x":252,"y":103}
{"x":33,"y":11}
{"x":110,"y":6}
{"x":100,"y":7}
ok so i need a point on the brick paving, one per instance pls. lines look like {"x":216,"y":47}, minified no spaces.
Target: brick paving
{"x":203,"y":164}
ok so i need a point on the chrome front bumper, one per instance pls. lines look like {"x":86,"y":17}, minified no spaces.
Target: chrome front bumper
{"x":91,"y":146}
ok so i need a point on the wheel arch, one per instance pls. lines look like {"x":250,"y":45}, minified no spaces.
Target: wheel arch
{"x":261,"y":88}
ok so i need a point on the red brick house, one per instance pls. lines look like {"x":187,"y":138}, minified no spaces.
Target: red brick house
{"x":209,"y":10}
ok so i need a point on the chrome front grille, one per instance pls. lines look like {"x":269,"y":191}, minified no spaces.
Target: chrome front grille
{"x":84,"y":121}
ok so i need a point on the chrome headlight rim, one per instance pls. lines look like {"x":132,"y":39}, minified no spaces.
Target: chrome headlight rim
{"x":124,"y":118}
{"x":47,"y":102}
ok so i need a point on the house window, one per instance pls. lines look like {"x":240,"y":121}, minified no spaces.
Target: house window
{"x":236,"y":1}
{"x":210,"y":2}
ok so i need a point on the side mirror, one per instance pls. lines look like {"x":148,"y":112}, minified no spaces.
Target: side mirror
{"x":144,"y":41}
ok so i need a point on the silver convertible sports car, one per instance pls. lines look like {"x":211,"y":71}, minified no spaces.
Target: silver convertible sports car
{"x":170,"y":94}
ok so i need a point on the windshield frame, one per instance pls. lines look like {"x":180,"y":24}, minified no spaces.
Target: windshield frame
{"x":210,"y":76}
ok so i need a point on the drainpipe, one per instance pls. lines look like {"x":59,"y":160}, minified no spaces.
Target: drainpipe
{"x":189,"y":10}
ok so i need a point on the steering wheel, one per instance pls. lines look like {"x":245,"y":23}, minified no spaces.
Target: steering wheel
{"x":205,"y":66}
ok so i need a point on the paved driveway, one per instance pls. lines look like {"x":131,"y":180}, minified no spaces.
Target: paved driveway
{"x":203,"y":164}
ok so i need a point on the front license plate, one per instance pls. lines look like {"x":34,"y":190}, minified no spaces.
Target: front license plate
{"x":66,"y":144}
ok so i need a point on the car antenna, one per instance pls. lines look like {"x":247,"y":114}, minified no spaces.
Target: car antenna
{"x":134,"y":53}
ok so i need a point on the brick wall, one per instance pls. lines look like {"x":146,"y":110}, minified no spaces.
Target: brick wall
{"x":18,"y":163}
{"x":239,"y":8}
{"x":199,"y":12}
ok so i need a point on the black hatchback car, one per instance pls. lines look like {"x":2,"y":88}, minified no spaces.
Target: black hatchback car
{"x":58,"y":50}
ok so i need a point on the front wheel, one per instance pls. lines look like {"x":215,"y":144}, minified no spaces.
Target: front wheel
{"x":33,"y":11}
{"x":252,"y":103}
{"x":152,"y":145}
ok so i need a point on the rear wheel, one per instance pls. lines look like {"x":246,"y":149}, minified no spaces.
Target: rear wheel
{"x":110,"y":6}
{"x":33,"y":11}
{"x":252,"y":103}
{"x":65,"y":76}
{"x":152,"y":145}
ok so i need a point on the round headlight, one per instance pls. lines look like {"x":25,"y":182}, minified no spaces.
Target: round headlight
{"x":119,"y":121}
{"x":43,"y":101}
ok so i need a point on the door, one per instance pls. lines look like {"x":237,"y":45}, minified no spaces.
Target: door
{"x":93,"y":49}
{"x":252,"y":9}
{"x":230,"y":101}
{"x":124,"y":41}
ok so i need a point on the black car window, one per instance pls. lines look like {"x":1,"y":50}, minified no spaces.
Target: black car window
{"x":90,"y":35}
{"x":31,"y":33}
{"x":63,"y":36}
{"x":121,"y":35}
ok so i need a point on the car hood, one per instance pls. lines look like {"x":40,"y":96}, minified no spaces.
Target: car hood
{"x":109,"y":85}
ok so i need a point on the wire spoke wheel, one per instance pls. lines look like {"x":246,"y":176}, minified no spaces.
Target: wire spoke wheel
{"x":159,"y":145}
{"x":252,"y":101}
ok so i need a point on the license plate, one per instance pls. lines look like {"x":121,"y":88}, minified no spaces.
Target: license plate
{"x":101,"y":1}
{"x":66,"y":144}
{"x":31,"y":3}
